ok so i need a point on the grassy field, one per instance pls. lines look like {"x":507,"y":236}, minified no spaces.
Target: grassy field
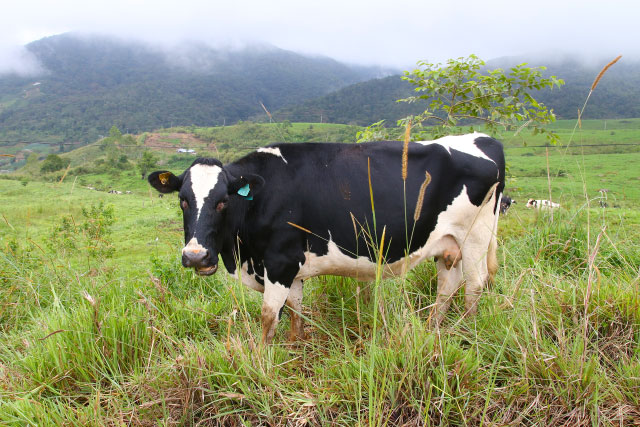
{"x":101,"y":326}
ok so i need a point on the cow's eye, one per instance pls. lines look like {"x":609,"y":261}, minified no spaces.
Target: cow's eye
{"x":183,"y":204}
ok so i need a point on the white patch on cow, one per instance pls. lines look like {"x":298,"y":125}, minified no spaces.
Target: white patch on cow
{"x":295,"y":295}
{"x":275,"y":294}
{"x":248,"y":279}
{"x":462,"y":220}
{"x":203,"y":179}
{"x":272,"y":150}
{"x":463,"y":143}
{"x":193,"y":246}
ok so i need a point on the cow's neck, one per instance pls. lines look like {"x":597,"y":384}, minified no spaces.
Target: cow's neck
{"x":234,"y":248}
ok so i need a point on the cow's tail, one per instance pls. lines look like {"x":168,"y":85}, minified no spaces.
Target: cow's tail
{"x":492,"y":252}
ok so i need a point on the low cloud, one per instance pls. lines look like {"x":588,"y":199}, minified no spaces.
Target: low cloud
{"x":19,"y":61}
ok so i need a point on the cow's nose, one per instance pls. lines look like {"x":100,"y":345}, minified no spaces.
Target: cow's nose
{"x":194,"y":257}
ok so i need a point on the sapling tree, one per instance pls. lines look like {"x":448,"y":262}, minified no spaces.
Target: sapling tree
{"x":460,"y":90}
{"x":462,"y":93}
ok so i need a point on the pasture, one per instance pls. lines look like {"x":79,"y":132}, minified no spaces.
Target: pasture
{"x":100,"y":325}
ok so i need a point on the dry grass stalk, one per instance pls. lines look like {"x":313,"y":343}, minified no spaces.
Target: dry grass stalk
{"x":64,"y":175}
{"x":299,"y":227}
{"x":423,"y":189}
{"x":604,"y":70}
{"x":593,"y":86}
{"x":405,"y":151}
{"x":373,"y":209}
{"x":549,"y":181}
{"x":579,"y":119}
{"x":266,"y":111}
{"x":524,"y":125}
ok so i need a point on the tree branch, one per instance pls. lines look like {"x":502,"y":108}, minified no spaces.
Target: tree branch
{"x":464,"y":101}
{"x":466,"y":116}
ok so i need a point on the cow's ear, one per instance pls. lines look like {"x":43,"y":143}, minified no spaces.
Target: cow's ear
{"x":165,"y":181}
{"x":247,"y":186}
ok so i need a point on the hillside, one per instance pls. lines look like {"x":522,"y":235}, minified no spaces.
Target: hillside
{"x":119,"y":155}
{"x":367,"y":102}
{"x":95,"y":82}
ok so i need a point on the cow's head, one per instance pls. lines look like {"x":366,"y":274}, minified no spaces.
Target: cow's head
{"x":205,"y":191}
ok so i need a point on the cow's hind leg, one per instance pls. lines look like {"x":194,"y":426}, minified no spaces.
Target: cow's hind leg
{"x":492,"y":258}
{"x":476,"y":273}
{"x":449,"y":281}
{"x":294,"y":302}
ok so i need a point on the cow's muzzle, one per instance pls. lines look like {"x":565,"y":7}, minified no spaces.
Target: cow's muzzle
{"x":200,"y":260}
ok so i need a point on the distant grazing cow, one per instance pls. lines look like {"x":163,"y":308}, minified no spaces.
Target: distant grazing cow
{"x":541,"y":204}
{"x":288,"y":212}
{"x":505,"y":204}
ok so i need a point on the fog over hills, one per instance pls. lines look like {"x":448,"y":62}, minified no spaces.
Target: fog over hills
{"x":81,"y":85}
{"x":90,"y":83}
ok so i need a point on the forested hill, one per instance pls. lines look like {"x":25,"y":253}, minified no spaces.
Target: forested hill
{"x":92,"y":83}
{"x":363,"y":103}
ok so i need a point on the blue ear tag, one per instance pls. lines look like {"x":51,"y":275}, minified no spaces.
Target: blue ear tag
{"x":244,"y":192}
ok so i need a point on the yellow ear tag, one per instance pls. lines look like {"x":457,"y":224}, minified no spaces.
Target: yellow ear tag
{"x":164,"y":177}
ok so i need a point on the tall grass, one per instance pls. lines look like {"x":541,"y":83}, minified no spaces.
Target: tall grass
{"x":138,"y":340}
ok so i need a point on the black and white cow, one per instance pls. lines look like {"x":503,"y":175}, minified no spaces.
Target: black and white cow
{"x":288,"y":212}
{"x":541,"y":204}
{"x":505,"y":204}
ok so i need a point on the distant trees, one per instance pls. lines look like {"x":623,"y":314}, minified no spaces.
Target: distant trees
{"x":115,"y":133}
{"x":146,"y":163}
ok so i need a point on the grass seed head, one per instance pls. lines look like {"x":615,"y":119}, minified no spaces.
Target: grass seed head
{"x":405,"y":151}
{"x":604,"y":70}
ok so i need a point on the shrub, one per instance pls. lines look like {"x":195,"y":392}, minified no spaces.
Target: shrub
{"x":53,"y":163}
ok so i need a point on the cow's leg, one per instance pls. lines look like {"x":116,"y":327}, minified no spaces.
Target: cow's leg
{"x":492,"y":258}
{"x":449,"y":280}
{"x":474,"y":263}
{"x":479,"y":259}
{"x":294,"y":302}
{"x":275,"y":295}
{"x":282,"y":261}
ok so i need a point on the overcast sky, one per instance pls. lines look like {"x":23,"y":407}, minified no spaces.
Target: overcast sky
{"x":393,"y":33}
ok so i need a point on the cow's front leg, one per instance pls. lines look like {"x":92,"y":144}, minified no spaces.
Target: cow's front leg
{"x":294,"y":302}
{"x":275,"y":295}
{"x":281,"y":265}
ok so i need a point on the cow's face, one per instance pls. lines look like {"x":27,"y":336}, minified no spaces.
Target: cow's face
{"x":205,"y":191}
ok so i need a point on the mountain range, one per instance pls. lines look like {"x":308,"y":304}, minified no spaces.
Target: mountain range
{"x":91,"y":83}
